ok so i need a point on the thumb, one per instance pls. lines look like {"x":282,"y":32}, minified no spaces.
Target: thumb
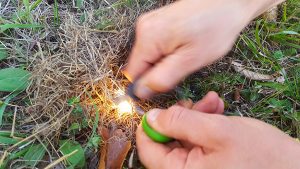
{"x":164,"y":75}
{"x":207,"y":130}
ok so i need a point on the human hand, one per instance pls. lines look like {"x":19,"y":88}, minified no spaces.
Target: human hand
{"x":214,"y":141}
{"x":176,"y":40}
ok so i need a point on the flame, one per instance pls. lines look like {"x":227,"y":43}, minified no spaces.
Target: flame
{"x":125,"y":108}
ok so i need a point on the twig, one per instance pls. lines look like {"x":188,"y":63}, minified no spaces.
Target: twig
{"x":100,"y":31}
{"x":60,"y":159}
{"x":3,"y":157}
{"x":14,"y":123}
{"x":130,"y":161}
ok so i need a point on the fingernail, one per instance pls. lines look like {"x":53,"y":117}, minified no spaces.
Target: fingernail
{"x":126,"y":74}
{"x":143,"y":91}
{"x":152,"y":115}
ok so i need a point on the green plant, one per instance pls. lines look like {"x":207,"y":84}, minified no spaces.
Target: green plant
{"x":184,"y":92}
{"x":56,"y":14}
{"x":7,"y":26}
{"x":14,"y":79}
{"x":78,"y":158}
{"x":14,"y":155}
{"x":34,"y":154}
{"x":79,"y":3}
{"x":4,"y":104}
{"x":3,"y":52}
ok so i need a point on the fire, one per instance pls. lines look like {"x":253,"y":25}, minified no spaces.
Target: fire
{"x":123,"y":103}
{"x":125,"y":108}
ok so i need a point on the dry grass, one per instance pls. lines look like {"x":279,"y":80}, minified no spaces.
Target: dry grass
{"x":77,"y":59}
{"x":85,"y":63}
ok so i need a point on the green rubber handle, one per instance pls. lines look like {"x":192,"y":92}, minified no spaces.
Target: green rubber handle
{"x":154,"y":135}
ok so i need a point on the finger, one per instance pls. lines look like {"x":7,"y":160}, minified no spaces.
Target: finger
{"x":140,"y":60}
{"x":211,"y":103}
{"x":193,"y":126}
{"x":221,"y":107}
{"x":174,"y":144}
{"x":145,"y":52}
{"x":155,"y":155}
{"x":187,"y":103}
{"x":165,"y":75}
{"x":150,"y":153}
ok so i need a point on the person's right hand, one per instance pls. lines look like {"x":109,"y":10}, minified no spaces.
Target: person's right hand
{"x":213,"y":141}
{"x":178,"y":39}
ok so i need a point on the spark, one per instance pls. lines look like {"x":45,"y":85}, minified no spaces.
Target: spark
{"x":125,"y":108}
{"x":123,"y":103}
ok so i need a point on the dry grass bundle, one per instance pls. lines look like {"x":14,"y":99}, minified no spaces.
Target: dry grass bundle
{"x":83,"y":63}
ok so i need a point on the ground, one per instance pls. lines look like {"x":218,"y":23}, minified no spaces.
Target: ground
{"x":60,"y":69}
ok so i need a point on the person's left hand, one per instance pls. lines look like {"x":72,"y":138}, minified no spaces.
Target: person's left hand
{"x":214,"y":141}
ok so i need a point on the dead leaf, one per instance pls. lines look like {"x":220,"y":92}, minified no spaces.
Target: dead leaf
{"x":237,"y":93}
{"x":114,"y":150}
{"x":118,"y":147}
{"x":104,"y":133}
{"x":250,"y":74}
{"x":102,"y":160}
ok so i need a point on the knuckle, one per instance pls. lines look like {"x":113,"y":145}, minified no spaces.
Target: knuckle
{"x":144,"y":23}
{"x":176,"y":114}
{"x":161,"y":84}
{"x":149,"y":22}
{"x":177,"y":155}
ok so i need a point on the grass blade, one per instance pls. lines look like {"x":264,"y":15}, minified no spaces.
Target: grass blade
{"x":35,"y":4}
{"x":56,"y":14}
{"x":8,"y":140}
{"x":34,"y":154}
{"x":3,"y":52}
{"x":95,"y":125}
{"x":3,"y":106}
{"x":16,"y":25}
{"x":8,"y":133}
{"x":17,"y":154}
{"x":27,"y":5}
{"x":285,"y":33}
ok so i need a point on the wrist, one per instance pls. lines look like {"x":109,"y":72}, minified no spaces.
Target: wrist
{"x":292,"y":153}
